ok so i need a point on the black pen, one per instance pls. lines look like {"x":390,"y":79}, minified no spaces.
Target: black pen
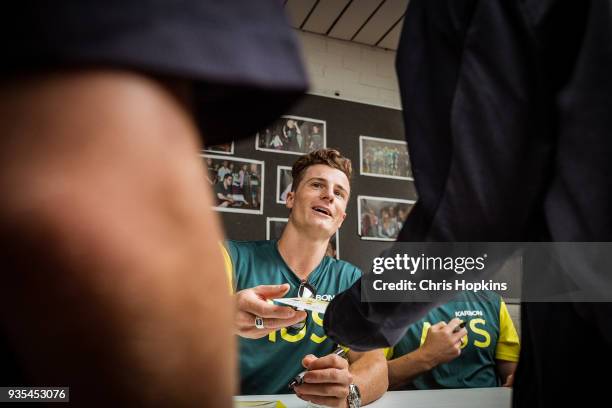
{"x":299,"y":379}
{"x":461,"y":326}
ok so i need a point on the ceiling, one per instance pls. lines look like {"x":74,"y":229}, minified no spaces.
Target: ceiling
{"x":372,"y":22}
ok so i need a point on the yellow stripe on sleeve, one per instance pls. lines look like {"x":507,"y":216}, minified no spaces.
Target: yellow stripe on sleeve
{"x":229,"y":269}
{"x":508,"y":346}
{"x":387,"y":352}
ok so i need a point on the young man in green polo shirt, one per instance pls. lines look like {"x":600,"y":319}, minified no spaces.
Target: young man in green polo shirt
{"x":271,"y":352}
{"x":436,"y":352}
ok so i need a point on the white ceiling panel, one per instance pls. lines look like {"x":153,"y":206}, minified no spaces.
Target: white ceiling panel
{"x":353,"y":18}
{"x":392,"y":38}
{"x":371,"y":22}
{"x":324,"y":15}
{"x":297,"y":10}
{"x":380,"y":22}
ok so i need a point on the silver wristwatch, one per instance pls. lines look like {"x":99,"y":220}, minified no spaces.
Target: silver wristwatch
{"x":354,"y":397}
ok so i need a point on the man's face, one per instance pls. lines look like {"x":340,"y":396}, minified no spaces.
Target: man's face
{"x":228,"y":181}
{"x":319,"y":202}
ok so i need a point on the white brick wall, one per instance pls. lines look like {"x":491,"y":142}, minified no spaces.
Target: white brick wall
{"x":345,"y":70}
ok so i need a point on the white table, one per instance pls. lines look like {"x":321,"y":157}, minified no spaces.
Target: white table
{"x":499,"y":397}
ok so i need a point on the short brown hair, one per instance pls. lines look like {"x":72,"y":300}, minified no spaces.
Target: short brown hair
{"x":329,"y":157}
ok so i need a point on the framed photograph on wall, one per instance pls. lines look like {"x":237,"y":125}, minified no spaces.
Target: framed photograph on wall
{"x":381,"y":218}
{"x":225,"y":148}
{"x":292,"y":135}
{"x":283,"y":183}
{"x":238,"y":183}
{"x":384,"y":158}
{"x":275,"y":227}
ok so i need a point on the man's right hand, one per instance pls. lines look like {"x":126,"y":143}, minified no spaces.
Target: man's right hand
{"x":441,"y":344}
{"x":252,"y":302}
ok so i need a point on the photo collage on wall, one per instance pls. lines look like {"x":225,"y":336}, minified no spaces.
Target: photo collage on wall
{"x":225,"y":148}
{"x":382,"y":218}
{"x":238,"y":183}
{"x":292,"y":135}
{"x":284,"y":182}
{"x":384,"y":158}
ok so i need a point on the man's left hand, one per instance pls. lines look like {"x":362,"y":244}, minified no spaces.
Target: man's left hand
{"x":326,"y":382}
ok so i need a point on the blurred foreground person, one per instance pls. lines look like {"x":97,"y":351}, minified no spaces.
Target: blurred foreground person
{"x":506,"y":108}
{"x":113,"y":277}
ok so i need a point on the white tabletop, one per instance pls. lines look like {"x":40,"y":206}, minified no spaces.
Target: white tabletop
{"x":499,"y":397}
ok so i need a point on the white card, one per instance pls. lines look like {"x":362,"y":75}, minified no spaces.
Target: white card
{"x":315,"y":305}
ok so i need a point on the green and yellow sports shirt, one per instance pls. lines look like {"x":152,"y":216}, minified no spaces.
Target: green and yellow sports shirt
{"x":491,"y":336}
{"x":268,"y":364}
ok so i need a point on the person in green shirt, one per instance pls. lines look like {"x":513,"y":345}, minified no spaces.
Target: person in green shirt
{"x":272,"y":352}
{"x":435,"y":354}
